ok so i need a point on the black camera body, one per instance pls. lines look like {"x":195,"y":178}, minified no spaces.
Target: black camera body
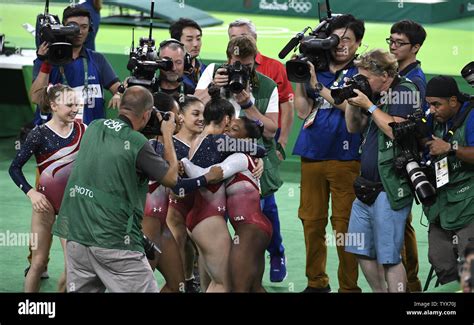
{"x":153,"y":127}
{"x":407,"y":136}
{"x":143,"y":63}
{"x":239,"y":76}
{"x":315,"y":48}
{"x":359,"y":82}
{"x":58,"y":37}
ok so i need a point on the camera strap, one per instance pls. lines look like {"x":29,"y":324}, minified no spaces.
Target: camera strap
{"x":85,"y":90}
{"x":457,"y":122}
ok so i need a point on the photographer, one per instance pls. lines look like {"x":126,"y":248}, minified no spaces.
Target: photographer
{"x":405,"y":41}
{"x":452,"y":150}
{"x":188,"y":32}
{"x":101,"y":212}
{"x":88,"y":73}
{"x":258,"y":100}
{"x":329,"y":159}
{"x":380,"y":216}
{"x":171,"y":82}
{"x":275,"y":71}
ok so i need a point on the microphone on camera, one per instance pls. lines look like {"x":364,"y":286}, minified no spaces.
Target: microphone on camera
{"x":292,"y":44}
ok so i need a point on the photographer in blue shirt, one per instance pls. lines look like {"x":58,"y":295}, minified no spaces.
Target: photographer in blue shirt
{"x":329,"y":159}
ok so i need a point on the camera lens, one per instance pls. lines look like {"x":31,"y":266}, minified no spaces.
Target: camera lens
{"x":424,"y":190}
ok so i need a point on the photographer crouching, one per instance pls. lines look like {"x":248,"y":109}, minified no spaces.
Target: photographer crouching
{"x":452,"y":150}
{"x":102,"y":209}
{"x":384,"y":197}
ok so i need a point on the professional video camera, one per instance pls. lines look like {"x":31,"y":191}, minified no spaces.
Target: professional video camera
{"x":358,"y":81}
{"x":144,"y":62}
{"x":57,"y":36}
{"x":314,"y":48}
{"x":407,"y":137}
{"x":239,"y":76}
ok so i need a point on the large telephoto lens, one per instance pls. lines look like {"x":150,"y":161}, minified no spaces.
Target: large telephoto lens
{"x":425,"y":192}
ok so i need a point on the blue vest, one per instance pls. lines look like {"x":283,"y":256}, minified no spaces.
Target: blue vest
{"x":327,"y":138}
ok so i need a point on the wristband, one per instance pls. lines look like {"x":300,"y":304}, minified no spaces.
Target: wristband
{"x":248,"y":105}
{"x":372,"y":109}
{"x":46,"y":68}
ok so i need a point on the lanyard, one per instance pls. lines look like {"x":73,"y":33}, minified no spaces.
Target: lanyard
{"x":85,"y":91}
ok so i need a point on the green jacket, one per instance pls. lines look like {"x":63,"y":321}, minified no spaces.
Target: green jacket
{"x":454,"y":207}
{"x":104,"y":197}
{"x":397,"y":188}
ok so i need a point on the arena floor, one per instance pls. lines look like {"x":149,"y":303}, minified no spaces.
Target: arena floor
{"x":448,"y":48}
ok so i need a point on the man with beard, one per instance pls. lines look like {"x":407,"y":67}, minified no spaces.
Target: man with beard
{"x":88,"y":73}
{"x":171,"y":82}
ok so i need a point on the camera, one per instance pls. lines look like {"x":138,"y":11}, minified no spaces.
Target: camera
{"x":315,"y":48}
{"x":143,"y":63}
{"x":407,"y":135}
{"x":153,"y":127}
{"x":359,"y":82}
{"x":239,"y":76}
{"x":468,"y":73}
{"x":57,"y":36}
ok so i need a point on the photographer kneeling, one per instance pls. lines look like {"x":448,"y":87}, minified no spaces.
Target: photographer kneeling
{"x":452,"y":150}
{"x":384,"y":198}
{"x":102,"y":210}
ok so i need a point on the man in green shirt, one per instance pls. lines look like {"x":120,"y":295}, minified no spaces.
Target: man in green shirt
{"x":451,"y":149}
{"x":101,"y":212}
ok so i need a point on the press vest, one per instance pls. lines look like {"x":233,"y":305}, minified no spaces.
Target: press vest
{"x":104,"y":197}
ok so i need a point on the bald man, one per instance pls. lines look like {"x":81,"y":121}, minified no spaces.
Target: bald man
{"x":102,"y":209}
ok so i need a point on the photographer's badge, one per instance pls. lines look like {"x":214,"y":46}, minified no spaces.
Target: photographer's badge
{"x":442,"y":173}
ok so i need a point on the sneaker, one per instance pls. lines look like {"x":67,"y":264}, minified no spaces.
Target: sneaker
{"x":278,"y":268}
{"x":309,"y":289}
{"x":44,"y":275}
{"x":192,"y":286}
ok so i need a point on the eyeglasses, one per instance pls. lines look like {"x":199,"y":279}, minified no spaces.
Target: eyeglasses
{"x":397,"y":42}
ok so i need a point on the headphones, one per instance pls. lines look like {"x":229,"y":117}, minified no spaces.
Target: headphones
{"x":188,"y":60}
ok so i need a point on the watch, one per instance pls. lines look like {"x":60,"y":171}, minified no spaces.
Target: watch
{"x":372,"y":108}
{"x":452,"y":150}
{"x":317,"y":89}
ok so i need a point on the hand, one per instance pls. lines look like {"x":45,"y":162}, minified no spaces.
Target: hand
{"x":243,"y":97}
{"x":39,"y":202}
{"x":361,"y":100}
{"x":258,"y":171}
{"x":42,"y":50}
{"x":114,"y":102}
{"x":438,"y":146}
{"x":221,"y":79}
{"x":314,"y":79}
{"x":214,"y":175}
{"x":167,"y":127}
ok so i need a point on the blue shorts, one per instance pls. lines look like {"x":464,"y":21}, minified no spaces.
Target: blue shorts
{"x":379,"y":229}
